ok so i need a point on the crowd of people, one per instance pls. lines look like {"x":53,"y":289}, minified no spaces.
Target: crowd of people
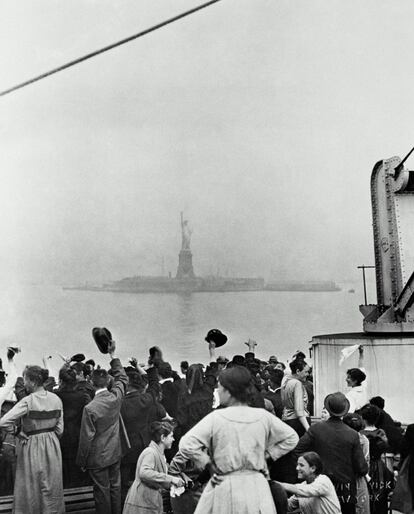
{"x":234,"y":435}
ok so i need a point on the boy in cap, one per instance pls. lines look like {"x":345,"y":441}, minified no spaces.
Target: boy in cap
{"x":273,"y":361}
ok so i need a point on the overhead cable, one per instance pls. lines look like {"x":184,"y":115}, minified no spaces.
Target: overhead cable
{"x":107,"y":48}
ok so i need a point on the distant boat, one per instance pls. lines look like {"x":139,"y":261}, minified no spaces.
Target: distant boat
{"x":303,"y":285}
{"x":351,"y":290}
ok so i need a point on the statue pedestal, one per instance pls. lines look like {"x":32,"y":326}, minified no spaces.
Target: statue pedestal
{"x":185,"y":264}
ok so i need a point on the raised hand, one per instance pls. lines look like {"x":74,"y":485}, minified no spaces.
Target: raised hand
{"x":133,"y":361}
{"x":11,"y":352}
{"x":251,"y":344}
{"x":111,"y":348}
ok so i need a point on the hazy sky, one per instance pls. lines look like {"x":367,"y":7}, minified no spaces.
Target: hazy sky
{"x":261,"y":119}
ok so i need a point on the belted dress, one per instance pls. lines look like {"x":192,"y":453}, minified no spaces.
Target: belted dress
{"x":237,"y":440}
{"x":38,"y":485}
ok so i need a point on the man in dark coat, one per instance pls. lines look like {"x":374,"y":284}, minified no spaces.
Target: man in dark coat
{"x":99,"y":444}
{"x":392,"y":430}
{"x":339,"y":449}
{"x":273,"y":391}
{"x":140,"y":407}
{"x":73,"y":403}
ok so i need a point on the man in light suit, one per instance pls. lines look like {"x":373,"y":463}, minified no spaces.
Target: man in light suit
{"x":99,"y":449}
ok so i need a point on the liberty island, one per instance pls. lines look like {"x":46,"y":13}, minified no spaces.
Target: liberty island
{"x":185,"y":280}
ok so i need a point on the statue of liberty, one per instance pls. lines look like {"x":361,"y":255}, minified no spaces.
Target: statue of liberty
{"x":185,"y":234}
{"x":185,"y":262}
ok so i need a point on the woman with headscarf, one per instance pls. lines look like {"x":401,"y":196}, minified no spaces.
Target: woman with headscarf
{"x":234,"y":443}
{"x":38,"y":486}
{"x":194,"y":404}
{"x":356,"y":422}
{"x":382,"y":480}
{"x":195,"y":401}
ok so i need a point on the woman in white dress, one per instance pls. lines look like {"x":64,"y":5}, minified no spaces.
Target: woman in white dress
{"x":38,"y":486}
{"x":237,"y":440}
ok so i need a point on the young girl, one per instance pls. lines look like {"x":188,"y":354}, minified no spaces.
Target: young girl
{"x":316,"y":495}
{"x":144,"y":495}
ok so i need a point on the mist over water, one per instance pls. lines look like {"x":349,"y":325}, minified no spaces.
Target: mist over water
{"x":223,"y":116}
{"x":44,"y":320}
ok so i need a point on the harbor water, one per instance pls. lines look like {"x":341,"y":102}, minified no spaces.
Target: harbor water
{"x":47,"y":320}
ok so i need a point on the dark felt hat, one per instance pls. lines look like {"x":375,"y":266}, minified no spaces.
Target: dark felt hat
{"x":337,"y":404}
{"x":298,"y":355}
{"x":103,"y":338}
{"x":12,"y":350}
{"x":238,"y":360}
{"x":135,"y":379}
{"x":78,"y":357}
{"x":216,"y":336}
